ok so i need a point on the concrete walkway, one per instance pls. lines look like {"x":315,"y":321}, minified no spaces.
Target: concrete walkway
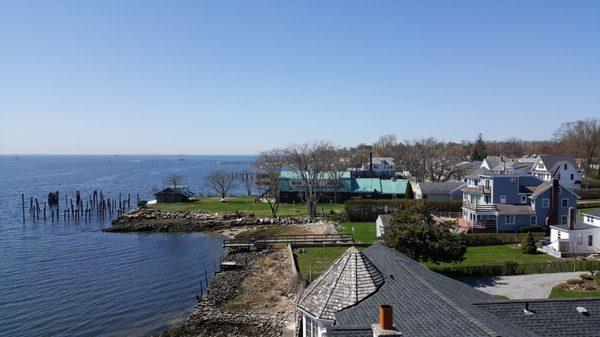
{"x":520,"y":286}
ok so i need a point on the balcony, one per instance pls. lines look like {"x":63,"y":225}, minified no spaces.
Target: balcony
{"x":479,"y":189}
{"x":482,"y":208}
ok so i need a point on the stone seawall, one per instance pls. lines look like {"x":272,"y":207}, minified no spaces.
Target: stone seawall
{"x":148,"y":220}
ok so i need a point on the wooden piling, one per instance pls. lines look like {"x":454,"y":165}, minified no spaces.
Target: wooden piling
{"x":23,"y":205}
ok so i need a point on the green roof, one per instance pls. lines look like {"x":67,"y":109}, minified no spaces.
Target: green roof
{"x":384,"y":186}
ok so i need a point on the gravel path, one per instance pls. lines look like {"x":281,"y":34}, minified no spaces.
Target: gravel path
{"x":520,"y":286}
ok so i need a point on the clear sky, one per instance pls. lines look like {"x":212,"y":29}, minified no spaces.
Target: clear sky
{"x":237,"y":77}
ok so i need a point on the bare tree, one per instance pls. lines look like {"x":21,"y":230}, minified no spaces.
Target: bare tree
{"x":431,"y":160}
{"x":339,"y":160}
{"x":269,"y":165}
{"x":221,"y":181}
{"x":384,"y":146}
{"x":174,"y":181}
{"x":311,"y":163}
{"x":582,"y":138}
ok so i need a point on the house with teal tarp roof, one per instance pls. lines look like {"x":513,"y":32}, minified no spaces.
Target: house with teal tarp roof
{"x":375,"y":188}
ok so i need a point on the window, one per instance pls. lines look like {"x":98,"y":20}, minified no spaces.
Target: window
{"x":590,"y":240}
{"x":545,"y":202}
{"x":533,"y":220}
{"x":565,"y":167}
{"x":565,"y":202}
{"x":503,"y":199}
{"x":311,"y":328}
{"x":509,"y":219}
{"x":541,"y":166}
{"x":572,"y":176}
{"x":563,"y":220}
{"x":523,"y":199}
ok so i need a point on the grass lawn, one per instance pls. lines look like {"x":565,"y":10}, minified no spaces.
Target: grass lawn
{"x":244,"y":205}
{"x":488,"y":255}
{"x":312,"y":261}
{"x":565,"y":293}
{"x":363,"y":231}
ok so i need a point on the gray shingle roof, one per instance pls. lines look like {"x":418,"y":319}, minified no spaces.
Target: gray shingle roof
{"x":550,"y":318}
{"x":515,"y":209}
{"x":350,"y":279}
{"x":479,"y":172}
{"x":541,"y":188}
{"x":425,"y":303}
{"x":440,"y":188}
{"x":551,"y":161}
{"x":592,"y":212}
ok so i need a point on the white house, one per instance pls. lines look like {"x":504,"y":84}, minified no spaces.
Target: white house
{"x":581,"y":235}
{"x":562,"y":167}
{"x":383,"y":221}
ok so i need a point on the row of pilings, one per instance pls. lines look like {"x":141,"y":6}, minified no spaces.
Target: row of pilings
{"x":76,"y":208}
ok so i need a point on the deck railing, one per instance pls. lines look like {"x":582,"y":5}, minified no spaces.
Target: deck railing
{"x":291,"y":239}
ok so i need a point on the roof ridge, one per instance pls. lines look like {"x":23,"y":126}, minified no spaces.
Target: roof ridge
{"x":470,"y":318}
{"x":334,"y":285}
{"x":314,"y":285}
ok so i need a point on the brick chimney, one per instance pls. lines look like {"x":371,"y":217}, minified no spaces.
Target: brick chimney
{"x":552,"y":217}
{"x":571,"y":219}
{"x":371,"y":161}
{"x":386,"y":323}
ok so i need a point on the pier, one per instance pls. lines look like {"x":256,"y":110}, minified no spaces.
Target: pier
{"x":302,"y":240}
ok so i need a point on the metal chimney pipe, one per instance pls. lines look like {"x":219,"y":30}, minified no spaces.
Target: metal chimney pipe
{"x":571,"y":219}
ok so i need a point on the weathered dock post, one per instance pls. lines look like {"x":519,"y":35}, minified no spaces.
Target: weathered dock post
{"x":44,"y":211}
{"x":23,"y":205}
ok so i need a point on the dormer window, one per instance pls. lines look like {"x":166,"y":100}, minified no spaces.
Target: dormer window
{"x":541,"y":166}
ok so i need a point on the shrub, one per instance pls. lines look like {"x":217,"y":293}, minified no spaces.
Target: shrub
{"x":586,"y":276}
{"x":528,"y":244}
{"x":533,"y":229}
{"x":142,"y":203}
{"x":556,"y":266}
{"x":493,"y":239}
{"x":563,"y":285}
{"x":590,"y":286}
{"x":597,"y":278}
{"x":574,"y":281}
{"x":369,"y":209}
{"x":589,"y":193}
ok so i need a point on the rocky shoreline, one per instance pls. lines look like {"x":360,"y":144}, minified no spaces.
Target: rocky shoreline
{"x":149,"y":220}
{"x":257,"y":300}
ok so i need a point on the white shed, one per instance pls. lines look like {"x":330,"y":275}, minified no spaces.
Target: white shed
{"x":383,"y":221}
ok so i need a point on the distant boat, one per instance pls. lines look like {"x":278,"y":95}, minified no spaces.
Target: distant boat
{"x":180,"y":159}
{"x":17,"y":157}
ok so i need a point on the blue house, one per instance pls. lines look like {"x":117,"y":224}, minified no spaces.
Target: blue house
{"x":505,"y":201}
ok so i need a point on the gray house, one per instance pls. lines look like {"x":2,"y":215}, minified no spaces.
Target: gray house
{"x":359,"y":293}
{"x":449,"y":190}
{"x":506,"y":201}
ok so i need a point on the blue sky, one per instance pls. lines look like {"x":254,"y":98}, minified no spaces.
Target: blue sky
{"x":237,"y":77}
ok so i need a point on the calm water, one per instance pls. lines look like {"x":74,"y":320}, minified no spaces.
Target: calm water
{"x":60,"y":279}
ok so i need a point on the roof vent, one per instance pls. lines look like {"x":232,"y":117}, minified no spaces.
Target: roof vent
{"x":583,"y":311}
{"x":527,"y":311}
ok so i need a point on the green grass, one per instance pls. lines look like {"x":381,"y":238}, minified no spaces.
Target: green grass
{"x":487,"y":255}
{"x":244,"y":205}
{"x":363,"y":231}
{"x":565,"y":293}
{"x":313,"y":261}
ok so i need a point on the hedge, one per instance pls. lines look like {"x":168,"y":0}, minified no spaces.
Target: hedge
{"x":588,"y":193}
{"x":369,"y":209}
{"x":588,"y":204}
{"x":493,"y":239}
{"x":514,"y":268}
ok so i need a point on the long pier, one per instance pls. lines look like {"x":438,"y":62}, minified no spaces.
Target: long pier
{"x":301,"y":240}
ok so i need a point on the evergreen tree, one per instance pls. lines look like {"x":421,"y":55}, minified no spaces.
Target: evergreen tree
{"x":413,"y":232}
{"x":479,"y":149}
{"x":528,"y":244}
